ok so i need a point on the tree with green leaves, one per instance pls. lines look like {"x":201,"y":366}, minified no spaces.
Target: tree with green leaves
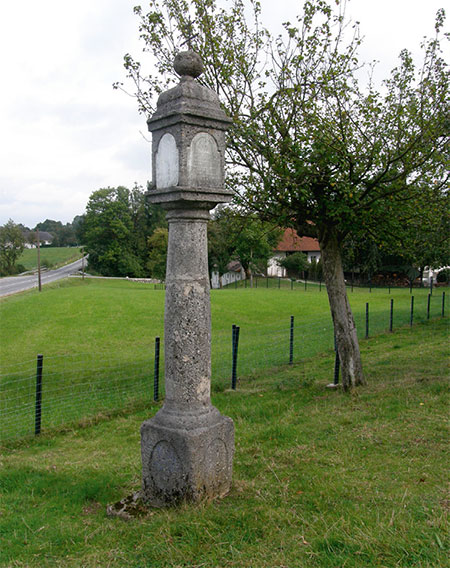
{"x":115,"y":229}
{"x":295,"y":263}
{"x":157,"y":253}
{"x":234,"y":235}
{"x":425,"y":243}
{"x":12,"y":242}
{"x":63,"y":235}
{"x":428,"y":236}
{"x":108,"y":233}
{"x":146,"y":218}
{"x":220,"y":248}
{"x":312,"y":145}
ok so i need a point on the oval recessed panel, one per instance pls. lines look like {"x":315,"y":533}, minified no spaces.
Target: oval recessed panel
{"x":165,"y":467}
{"x":167,"y":162}
{"x":204,"y":163}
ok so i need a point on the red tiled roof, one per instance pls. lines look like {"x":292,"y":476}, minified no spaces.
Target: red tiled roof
{"x":291,"y":242}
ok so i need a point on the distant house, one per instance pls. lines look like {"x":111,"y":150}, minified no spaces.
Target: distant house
{"x":235,"y":273}
{"x":290,"y":243}
{"x":44,"y":239}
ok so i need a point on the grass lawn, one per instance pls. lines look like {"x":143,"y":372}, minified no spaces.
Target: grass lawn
{"x":51,"y":257}
{"x":97,"y":338}
{"x":321,"y":478}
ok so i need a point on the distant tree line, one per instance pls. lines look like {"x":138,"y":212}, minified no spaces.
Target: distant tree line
{"x":64,"y":235}
{"x":125,"y":235}
{"x":14,"y":237}
{"x":116,"y":229}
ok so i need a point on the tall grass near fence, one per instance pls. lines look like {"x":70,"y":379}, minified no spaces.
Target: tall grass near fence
{"x":97,"y":339}
{"x":321,"y":479}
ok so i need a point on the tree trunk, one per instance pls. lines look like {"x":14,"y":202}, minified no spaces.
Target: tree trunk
{"x":421,"y":270}
{"x":343,"y":321}
{"x":249,"y":275}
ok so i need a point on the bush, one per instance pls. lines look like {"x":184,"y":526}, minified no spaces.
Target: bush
{"x":443,"y":276}
{"x":13,"y":270}
{"x":46,"y":263}
{"x":295,"y":264}
{"x":20,"y":268}
{"x":315,"y":271}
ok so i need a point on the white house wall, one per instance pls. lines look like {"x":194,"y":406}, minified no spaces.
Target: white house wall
{"x":225,"y":279}
{"x":273,"y":268}
{"x":315,"y":255}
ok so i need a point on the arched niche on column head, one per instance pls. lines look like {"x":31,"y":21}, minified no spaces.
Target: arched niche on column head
{"x":167,"y":162}
{"x":204,"y":165}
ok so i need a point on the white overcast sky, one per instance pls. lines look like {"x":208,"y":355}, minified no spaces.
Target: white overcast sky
{"x":65,"y":132}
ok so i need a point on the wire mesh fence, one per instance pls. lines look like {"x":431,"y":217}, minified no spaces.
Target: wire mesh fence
{"x":73,"y":387}
{"x":81,"y":385}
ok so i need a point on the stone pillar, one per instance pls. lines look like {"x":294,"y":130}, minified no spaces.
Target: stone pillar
{"x":187,"y":448}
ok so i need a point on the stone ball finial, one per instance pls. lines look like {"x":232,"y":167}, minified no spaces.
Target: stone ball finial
{"x":188,"y":64}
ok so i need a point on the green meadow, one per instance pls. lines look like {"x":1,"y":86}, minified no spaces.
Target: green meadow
{"x":97,"y":338}
{"x":51,"y":257}
{"x":322,"y":479}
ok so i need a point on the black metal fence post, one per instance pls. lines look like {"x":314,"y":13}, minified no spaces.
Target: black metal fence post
{"x":233,"y":341}
{"x":38,"y":404}
{"x":337,"y":363}
{"x":391,"y":315}
{"x":443,"y":304}
{"x":367,"y":320}
{"x":412,"y":311}
{"x":235,"y":345}
{"x":428,"y":306}
{"x":431,"y":286}
{"x":156,"y":371}
{"x":292,"y":283}
{"x":291,"y":342}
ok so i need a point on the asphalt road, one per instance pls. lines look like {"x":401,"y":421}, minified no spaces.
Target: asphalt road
{"x":13,"y":284}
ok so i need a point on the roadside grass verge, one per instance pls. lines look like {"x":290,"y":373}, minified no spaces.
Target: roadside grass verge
{"x":321,"y":478}
{"x":97,"y":338}
{"x":50,"y":256}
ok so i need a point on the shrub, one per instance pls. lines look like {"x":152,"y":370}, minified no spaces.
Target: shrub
{"x":443,"y":276}
{"x":294,"y":263}
{"x":45,"y":263}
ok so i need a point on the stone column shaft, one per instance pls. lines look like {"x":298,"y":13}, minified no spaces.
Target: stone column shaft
{"x":187,"y":320}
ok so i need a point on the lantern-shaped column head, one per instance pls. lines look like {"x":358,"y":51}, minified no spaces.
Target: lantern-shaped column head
{"x":188,"y":146}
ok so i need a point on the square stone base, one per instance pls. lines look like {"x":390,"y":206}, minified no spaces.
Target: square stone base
{"x":183,"y":464}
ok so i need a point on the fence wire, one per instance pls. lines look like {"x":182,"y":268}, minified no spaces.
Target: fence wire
{"x":82,"y":385}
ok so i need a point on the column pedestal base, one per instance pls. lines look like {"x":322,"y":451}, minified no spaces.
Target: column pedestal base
{"x":191,"y":462}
